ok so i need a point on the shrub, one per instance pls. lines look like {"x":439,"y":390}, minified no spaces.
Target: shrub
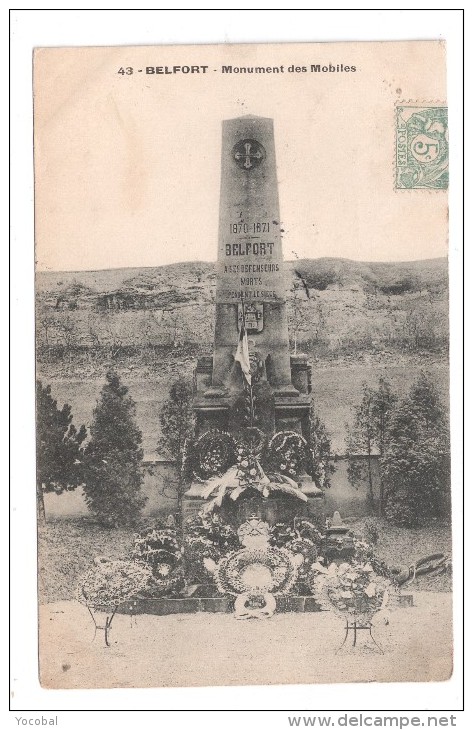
{"x":371,"y":531}
{"x":177,"y":428}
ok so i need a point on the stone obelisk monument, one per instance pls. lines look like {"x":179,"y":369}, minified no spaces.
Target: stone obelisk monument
{"x":251,"y":290}
{"x":251,"y":283}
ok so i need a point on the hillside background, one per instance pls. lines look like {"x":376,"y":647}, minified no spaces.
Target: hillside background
{"x":356,"y":321}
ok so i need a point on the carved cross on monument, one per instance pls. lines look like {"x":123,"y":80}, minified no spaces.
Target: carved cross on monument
{"x":244,"y":155}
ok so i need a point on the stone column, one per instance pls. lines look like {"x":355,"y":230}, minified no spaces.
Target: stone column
{"x":250,"y":263}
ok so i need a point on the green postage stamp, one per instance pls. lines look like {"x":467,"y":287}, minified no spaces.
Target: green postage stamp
{"x":421,"y":147}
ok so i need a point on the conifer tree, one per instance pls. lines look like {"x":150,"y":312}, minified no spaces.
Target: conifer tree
{"x":320,"y":448}
{"x":416,"y":462}
{"x":58,"y":448}
{"x":114,"y":458}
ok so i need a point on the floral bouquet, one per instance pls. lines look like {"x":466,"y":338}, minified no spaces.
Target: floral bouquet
{"x":310,"y":555}
{"x":212,"y":528}
{"x":108,"y":583}
{"x":354,"y":591}
{"x":252,"y":439}
{"x":301,"y":538}
{"x":197,"y":552}
{"x":249,"y":471}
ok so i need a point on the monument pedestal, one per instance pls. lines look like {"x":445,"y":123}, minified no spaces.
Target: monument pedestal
{"x":292,"y":405}
{"x":292,"y":402}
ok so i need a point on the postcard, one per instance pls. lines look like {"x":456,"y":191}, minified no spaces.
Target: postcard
{"x":243,"y":457}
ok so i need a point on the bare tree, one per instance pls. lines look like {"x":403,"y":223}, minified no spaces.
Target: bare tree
{"x":112,"y":329}
{"x":367,"y":434}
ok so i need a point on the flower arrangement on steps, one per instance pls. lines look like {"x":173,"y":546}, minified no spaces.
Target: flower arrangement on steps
{"x":285,"y":558}
{"x":230,"y":468}
{"x":162,"y":551}
{"x":207,"y":536}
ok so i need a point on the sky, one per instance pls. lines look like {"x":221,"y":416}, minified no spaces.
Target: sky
{"x":127,"y":166}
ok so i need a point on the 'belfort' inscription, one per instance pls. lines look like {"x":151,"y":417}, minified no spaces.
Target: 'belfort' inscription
{"x":258,"y":248}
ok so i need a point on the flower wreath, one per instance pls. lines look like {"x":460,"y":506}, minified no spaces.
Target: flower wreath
{"x":108,"y":583}
{"x":198,"y":551}
{"x":287,"y":453}
{"x":161,"y":551}
{"x":281,"y":533}
{"x":308,"y":530}
{"x":213,"y":453}
{"x":251,"y":439}
{"x":207,"y":537}
{"x":310,"y":554}
{"x":256,"y":570}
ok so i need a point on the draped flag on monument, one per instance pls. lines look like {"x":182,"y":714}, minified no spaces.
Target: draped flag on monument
{"x":242,"y":355}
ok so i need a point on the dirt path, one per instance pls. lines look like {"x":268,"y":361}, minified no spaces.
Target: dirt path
{"x":215,"y":649}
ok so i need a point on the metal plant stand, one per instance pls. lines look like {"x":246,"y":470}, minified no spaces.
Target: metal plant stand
{"x":106,"y":628}
{"x":355,"y":627}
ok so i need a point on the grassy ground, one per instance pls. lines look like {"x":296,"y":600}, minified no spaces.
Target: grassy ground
{"x":67,"y":547}
{"x":399,"y":546}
